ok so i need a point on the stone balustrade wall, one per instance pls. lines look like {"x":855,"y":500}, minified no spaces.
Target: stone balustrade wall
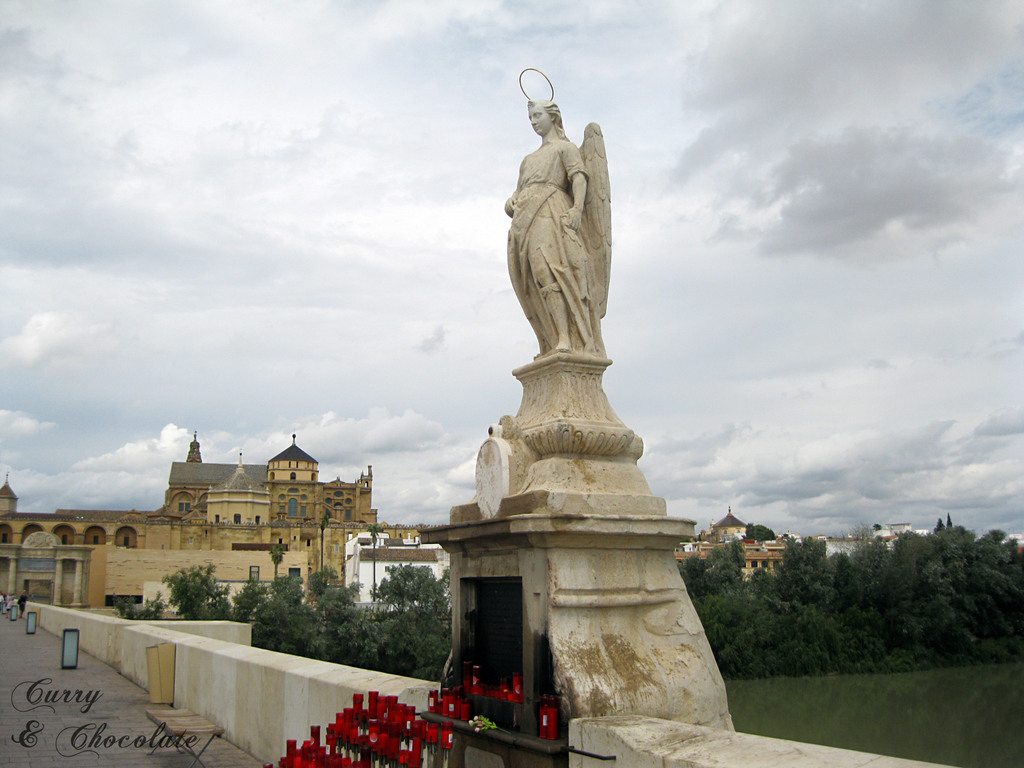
{"x":261,"y":698}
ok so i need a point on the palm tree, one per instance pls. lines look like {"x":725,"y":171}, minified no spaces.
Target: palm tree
{"x":276,"y":556}
{"x":374,"y":530}
{"x":324,"y":522}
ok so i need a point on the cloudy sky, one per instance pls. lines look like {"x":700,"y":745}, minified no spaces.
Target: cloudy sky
{"x":258,"y":218}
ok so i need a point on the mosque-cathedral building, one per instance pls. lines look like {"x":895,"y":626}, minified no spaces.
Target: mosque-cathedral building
{"x":230,"y":515}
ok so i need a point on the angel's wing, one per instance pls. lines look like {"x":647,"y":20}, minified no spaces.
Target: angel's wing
{"x":596,"y":228}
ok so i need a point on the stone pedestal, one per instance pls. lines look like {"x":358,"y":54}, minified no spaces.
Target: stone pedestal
{"x":565,"y":533}
{"x":607,"y":622}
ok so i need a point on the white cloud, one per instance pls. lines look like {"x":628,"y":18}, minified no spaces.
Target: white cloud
{"x":58,"y":340}
{"x":15,"y":425}
{"x":142,"y":456}
{"x":860,"y":132}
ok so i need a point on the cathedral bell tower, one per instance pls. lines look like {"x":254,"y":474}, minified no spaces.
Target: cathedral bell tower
{"x":193,"y":451}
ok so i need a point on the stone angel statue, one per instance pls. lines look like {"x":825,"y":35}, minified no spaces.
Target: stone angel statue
{"x":559,"y":244}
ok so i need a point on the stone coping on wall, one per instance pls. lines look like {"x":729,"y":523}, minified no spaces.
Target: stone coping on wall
{"x":646,"y":742}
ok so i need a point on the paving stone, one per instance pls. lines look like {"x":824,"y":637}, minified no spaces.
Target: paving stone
{"x":120,"y":710}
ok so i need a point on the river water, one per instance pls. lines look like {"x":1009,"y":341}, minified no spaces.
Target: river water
{"x":969,"y":716}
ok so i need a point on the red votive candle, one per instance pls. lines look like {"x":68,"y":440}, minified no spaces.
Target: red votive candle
{"x":447,"y":737}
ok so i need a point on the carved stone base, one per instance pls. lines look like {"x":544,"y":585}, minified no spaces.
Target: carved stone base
{"x":607,"y":621}
{"x":565,"y":439}
{"x":565,"y":411}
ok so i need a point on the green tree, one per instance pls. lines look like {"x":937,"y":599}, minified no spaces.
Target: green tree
{"x":153,"y":610}
{"x":196,"y":595}
{"x":721,"y":572}
{"x":343,"y":632}
{"x":283,"y":621}
{"x":276,"y":556}
{"x":320,"y":581}
{"x":413,"y":622}
{"x":946,"y":598}
{"x":760,"y":533}
{"x":252,"y":594}
{"x":805,"y":575}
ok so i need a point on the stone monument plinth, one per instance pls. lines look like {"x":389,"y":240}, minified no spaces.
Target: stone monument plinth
{"x":563,"y":567}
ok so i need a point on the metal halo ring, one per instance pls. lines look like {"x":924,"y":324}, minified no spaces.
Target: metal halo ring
{"x":533,"y":69}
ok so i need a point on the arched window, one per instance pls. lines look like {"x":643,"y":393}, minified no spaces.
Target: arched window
{"x":293,"y":475}
{"x":95,"y":535}
{"x":293,"y":507}
{"x":126,"y":537}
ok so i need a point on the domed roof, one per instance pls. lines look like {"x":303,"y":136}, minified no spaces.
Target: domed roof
{"x":730,"y":521}
{"x":239,"y":481}
{"x":293,"y":453}
{"x":6,"y":492}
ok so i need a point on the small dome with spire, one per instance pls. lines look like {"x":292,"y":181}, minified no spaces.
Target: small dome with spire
{"x":239,"y":481}
{"x":8,"y":498}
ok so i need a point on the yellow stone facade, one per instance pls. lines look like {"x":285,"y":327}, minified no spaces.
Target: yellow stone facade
{"x":212,"y":514}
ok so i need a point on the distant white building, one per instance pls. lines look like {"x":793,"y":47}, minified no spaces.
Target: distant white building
{"x":835,"y":546}
{"x":363,"y":561}
{"x":890,"y":530}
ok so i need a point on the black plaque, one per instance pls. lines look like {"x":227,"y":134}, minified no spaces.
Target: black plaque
{"x":499,"y":629}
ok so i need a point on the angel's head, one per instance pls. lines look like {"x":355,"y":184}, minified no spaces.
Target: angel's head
{"x":545,"y":116}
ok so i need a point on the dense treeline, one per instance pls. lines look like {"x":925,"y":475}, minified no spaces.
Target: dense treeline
{"x":407,"y":632}
{"x":939,"y":600}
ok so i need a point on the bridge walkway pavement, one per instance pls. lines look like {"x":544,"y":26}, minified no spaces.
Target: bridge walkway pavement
{"x":45,"y":736}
